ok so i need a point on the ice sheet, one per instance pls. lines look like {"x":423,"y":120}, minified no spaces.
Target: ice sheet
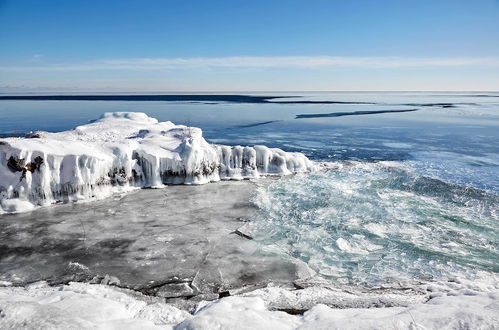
{"x":174,"y":242}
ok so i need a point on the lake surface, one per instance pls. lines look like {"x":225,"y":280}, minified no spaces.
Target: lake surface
{"x":411,"y":194}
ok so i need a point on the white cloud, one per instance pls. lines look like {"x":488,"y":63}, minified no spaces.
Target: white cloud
{"x":300,"y":61}
{"x":259,"y":62}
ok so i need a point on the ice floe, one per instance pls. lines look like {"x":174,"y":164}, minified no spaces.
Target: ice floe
{"x":121,"y":151}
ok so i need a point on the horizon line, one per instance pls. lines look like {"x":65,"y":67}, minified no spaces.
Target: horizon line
{"x":48,"y":89}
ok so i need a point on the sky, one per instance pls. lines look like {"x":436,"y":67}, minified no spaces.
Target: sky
{"x":295,"y":45}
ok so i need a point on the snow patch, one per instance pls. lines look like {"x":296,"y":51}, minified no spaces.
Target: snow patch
{"x":83,"y":306}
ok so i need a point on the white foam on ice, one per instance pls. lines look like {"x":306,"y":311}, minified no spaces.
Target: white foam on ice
{"x":121,"y":151}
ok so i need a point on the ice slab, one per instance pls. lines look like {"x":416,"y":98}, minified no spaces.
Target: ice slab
{"x":174,"y":242}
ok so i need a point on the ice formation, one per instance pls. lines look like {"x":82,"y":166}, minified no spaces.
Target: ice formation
{"x":120,"y":151}
{"x":87,"y":306}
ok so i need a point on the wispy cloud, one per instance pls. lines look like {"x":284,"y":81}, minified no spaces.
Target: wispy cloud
{"x":35,"y":58}
{"x":258,"y":62}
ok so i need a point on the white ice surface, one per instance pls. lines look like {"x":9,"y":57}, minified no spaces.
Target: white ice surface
{"x":120,"y":151}
{"x":84,"y":306}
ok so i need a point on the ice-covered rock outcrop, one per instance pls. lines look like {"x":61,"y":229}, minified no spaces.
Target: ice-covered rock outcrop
{"x":122,"y":150}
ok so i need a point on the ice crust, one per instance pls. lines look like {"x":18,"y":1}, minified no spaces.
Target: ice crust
{"x":121,"y":151}
{"x":87,"y":306}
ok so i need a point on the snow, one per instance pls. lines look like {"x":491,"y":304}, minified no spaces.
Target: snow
{"x":122,"y":151}
{"x":239,"y":313}
{"x":15,"y":205}
{"x":460,"y":312}
{"x":84,"y":306}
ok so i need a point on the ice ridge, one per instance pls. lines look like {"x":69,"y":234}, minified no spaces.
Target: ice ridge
{"x":121,"y":151}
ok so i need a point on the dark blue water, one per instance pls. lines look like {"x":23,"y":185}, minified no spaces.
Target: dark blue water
{"x":447,"y":133}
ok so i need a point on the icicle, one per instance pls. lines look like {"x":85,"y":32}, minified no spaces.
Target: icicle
{"x":121,"y":151}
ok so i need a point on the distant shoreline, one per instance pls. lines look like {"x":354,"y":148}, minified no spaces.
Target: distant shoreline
{"x":171,"y":98}
{"x":210,"y":98}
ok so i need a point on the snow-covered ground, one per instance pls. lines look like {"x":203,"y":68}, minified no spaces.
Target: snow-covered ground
{"x":86,"y":306}
{"x":120,"y":151}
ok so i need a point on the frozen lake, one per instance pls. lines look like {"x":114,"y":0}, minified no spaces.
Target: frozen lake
{"x":411,"y":197}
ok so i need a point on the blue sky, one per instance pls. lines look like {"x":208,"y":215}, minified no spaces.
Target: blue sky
{"x":249,"y":45}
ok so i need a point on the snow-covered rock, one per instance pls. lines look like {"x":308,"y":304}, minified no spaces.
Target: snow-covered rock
{"x":121,"y":151}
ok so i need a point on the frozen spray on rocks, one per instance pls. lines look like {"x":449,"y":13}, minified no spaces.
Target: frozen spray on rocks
{"x":119,"y":152}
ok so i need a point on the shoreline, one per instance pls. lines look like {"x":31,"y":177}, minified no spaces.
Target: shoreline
{"x":89,"y":306}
